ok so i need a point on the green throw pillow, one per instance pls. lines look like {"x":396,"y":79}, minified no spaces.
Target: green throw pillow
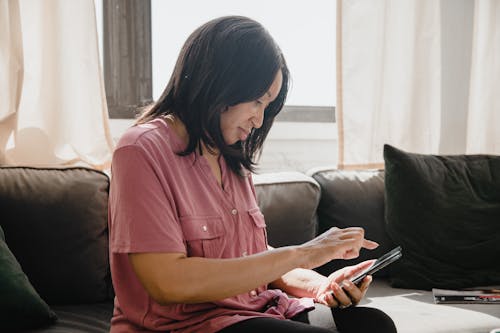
{"x":20,"y":305}
{"x":445,"y":213}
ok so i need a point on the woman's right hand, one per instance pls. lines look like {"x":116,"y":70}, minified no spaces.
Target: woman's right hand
{"x":335,"y":243}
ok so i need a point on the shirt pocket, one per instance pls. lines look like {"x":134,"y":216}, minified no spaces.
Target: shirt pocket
{"x":259,"y":230}
{"x":204,"y":236}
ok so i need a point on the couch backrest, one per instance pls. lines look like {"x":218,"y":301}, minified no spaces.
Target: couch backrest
{"x":55,"y":223}
{"x":288,"y":201}
{"x":353,"y":198}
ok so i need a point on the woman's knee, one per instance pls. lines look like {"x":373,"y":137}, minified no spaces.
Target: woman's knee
{"x":358,"y":319}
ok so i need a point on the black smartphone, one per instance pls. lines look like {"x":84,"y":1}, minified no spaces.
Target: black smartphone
{"x":380,"y":263}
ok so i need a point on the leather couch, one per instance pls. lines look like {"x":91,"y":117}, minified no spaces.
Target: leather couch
{"x":55,"y":223}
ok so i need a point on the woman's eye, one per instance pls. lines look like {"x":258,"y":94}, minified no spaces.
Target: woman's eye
{"x":259,"y":102}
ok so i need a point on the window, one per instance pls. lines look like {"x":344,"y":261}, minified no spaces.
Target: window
{"x":156,"y":31}
{"x":305,"y":31}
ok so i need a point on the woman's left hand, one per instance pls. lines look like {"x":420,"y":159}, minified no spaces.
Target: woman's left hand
{"x":333,"y":295}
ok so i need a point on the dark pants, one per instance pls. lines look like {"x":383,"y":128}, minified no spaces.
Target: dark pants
{"x":321,"y":320}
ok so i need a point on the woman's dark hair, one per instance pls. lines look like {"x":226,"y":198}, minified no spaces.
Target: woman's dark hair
{"x":226,"y":61}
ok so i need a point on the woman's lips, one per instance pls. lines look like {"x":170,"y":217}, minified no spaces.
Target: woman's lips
{"x":243,"y":134}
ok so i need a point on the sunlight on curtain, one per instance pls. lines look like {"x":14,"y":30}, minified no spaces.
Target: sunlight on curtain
{"x":11,"y":70}
{"x":483,"y":134}
{"x":388,"y":88}
{"x":62,"y":114}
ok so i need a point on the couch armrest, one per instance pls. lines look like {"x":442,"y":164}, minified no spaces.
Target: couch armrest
{"x":288,"y":201}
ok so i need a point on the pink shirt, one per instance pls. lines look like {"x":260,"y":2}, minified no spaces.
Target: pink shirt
{"x":162,"y":202}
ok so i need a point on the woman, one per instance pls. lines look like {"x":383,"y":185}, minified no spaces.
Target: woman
{"x":188,"y":243}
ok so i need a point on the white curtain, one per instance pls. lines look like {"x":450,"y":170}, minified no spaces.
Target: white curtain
{"x":53,"y":109}
{"x":483,"y":130}
{"x":404,"y":74}
{"x":11,"y":70}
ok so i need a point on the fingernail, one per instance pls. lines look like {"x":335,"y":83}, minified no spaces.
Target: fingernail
{"x":347,"y":284}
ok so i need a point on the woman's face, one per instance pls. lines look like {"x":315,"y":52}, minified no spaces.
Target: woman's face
{"x":238,"y":120}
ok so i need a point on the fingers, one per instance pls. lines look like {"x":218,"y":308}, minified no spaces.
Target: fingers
{"x":365,"y":284}
{"x":342,"y":299}
{"x":347,"y":295}
{"x":354,"y":238}
{"x":334,"y":243}
{"x":328,"y":299}
{"x":349,"y":272}
{"x":354,"y":292}
{"x":361,"y":266}
{"x":351,"y":254}
{"x":370,"y":245}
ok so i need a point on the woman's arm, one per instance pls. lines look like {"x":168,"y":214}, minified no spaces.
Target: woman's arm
{"x":175,"y":278}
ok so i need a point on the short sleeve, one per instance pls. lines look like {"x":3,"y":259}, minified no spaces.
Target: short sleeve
{"x":141,"y":211}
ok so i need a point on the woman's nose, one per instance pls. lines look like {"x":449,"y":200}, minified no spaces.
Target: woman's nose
{"x":258,"y":118}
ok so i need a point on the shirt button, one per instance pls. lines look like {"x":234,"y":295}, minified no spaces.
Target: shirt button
{"x":204,"y":228}
{"x":234,"y":211}
{"x":253,"y":293}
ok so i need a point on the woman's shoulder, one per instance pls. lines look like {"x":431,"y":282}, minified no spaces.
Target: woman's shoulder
{"x":154,"y":133}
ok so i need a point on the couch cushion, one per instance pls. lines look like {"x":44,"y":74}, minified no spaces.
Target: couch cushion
{"x":353,"y":198}
{"x":288,"y":201}
{"x":81,"y":318}
{"x":414,"y":311}
{"x":20,"y":305}
{"x":55,"y":222}
{"x":445,"y":213}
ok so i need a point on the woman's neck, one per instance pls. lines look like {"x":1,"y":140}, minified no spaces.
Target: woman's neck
{"x":180,"y":129}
